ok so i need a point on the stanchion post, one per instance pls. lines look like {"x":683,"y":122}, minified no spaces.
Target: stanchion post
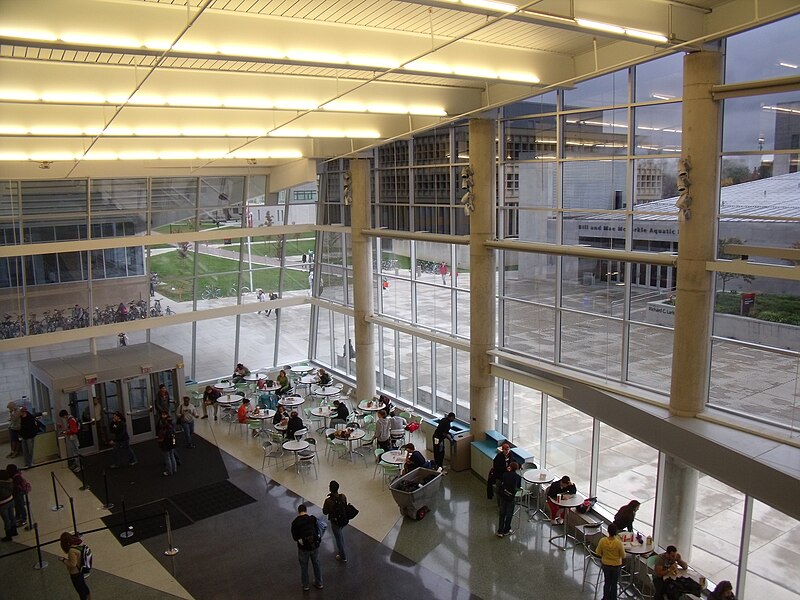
{"x":128,"y":531}
{"x":74,"y":521}
{"x":42,"y":564}
{"x":172,"y":550}
{"x":108,"y":505}
{"x":29,"y":526}
{"x":56,"y":506}
{"x":83,"y":487}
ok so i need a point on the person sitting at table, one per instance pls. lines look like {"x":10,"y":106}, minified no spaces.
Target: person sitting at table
{"x":625,"y":515}
{"x":280,"y":415}
{"x":283,"y":380}
{"x":324,"y":378}
{"x":387,"y":403}
{"x":239,"y":373}
{"x":396,"y":421}
{"x":243,"y":413}
{"x":294,"y":425}
{"x":340,"y":413}
{"x":560,"y":486}
{"x":383,"y":431}
{"x":666,"y":564}
{"x":612,"y":553}
{"x":415,"y":459}
{"x":397,"y":429}
{"x":210,"y":397}
{"x":723,"y":591}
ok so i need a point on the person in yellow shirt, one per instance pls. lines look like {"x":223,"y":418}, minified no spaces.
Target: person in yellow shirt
{"x":612,"y":553}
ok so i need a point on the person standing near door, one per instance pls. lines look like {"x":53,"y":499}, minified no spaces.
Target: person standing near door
{"x":69,"y":428}
{"x":187,"y":413}
{"x":28,"y":429}
{"x":121,"y":441}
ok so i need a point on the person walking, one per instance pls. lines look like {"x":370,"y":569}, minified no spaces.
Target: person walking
{"x":612,"y":553}
{"x":210,"y":397}
{"x":121,"y":441}
{"x":20,"y":486}
{"x":73,"y":547}
{"x":69,"y":428}
{"x":187,"y":413}
{"x":335,"y":507}
{"x":443,"y":272}
{"x":442,"y":432}
{"x":13,"y":429}
{"x":166,"y":441}
{"x":304,"y":532}
{"x":28,"y":430}
{"x":510,"y":482}
{"x":7,"y":506}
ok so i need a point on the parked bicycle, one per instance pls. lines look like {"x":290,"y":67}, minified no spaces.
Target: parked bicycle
{"x":233,"y":291}
{"x":211,"y":292}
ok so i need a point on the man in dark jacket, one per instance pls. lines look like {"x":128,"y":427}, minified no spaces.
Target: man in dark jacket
{"x":442,"y":432}
{"x":121,"y":441}
{"x":559,"y":486}
{"x":335,"y":507}
{"x":28,"y":429}
{"x":340,"y":413}
{"x":500,"y":465}
{"x":304,"y":532}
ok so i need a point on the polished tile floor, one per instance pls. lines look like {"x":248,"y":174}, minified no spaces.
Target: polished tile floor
{"x":248,"y":552}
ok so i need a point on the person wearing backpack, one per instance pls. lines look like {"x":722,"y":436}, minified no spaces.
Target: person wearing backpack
{"x":306,"y":534}
{"x":20,"y":487}
{"x":78,"y":562}
{"x":166,"y":441}
{"x":335,"y":506}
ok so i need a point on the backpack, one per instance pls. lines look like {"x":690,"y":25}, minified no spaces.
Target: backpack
{"x":312,"y":539}
{"x":339,"y":513}
{"x":86,"y":559}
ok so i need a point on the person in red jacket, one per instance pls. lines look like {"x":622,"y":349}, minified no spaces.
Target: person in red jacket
{"x":243,"y":414}
{"x":69,"y":428}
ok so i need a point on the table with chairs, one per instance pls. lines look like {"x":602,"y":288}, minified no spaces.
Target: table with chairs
{"x":261,"y":417}
{"x":538,"y":478}
{"x":568,"y":502}
{"x":291,"y":401}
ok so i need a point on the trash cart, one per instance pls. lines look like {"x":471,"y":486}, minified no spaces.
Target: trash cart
{"x":417,"y":492}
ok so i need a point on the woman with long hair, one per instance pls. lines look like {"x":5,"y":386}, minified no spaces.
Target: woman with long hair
{"x":72,"y":546}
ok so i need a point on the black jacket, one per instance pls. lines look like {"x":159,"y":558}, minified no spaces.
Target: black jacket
{"x":28,"y":427}
{"x":555,"y":489}
{"x":303,"y":528}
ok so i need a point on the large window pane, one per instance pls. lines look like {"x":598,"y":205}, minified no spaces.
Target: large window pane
{"x":596,"y":185}
{"x":765,"y":52}
{"x":658,"y":129}
{"x":660,"y":79}
{"x":597,"y":133}
{"x":569,"y":443}
{"x":607,"y":90}
{"x":773,"y":555}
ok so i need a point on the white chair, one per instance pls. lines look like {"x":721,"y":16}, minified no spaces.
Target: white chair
{"x":300,"y":433}
{"x":272,"y":452}
{"x":594,"y":559}
{"x":307,"y":458}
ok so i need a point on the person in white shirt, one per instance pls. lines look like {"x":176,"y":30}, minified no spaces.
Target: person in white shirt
{"x":383,"y":431}
{"x":187,"y":413}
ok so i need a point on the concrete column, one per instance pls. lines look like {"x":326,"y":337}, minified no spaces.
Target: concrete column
{"x":482,"y":276}
{"x":362,"y":280}
{"x":696,"y":245}
{"x":675,"y":519}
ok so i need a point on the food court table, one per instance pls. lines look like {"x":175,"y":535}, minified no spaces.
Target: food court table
{"x":295,"y":446}
{"x":263,"y":415}
{"x":227,"y":402}
{"x":252,"y":377}
{"x":329,"y":390}
{"x":225,"y":386}
{"x":301,"y":369}
{"x":291,"y":401}
{"x":539,"y":478}
{"x":573,"y":501}
{"x":324,"y":412}
{"x":355,"y":435}
{"x":394,"y":457}
{"x":371,"y":405}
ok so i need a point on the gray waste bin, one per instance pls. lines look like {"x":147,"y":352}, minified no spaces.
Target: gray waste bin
{"x":417,"y":492}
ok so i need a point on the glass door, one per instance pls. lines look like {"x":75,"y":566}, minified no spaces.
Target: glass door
{"x":81,"y":407}
{"x":110,"y":402}
{"x":138,"y":409}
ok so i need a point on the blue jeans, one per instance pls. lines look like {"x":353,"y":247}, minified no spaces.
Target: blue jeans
{"x":123,"y":449}
{"x":169,"y":461}
{"x":19,"y":506}
{"x":188,"y":431}
{"x":7,"y":514}
{"x":27,"y":450}
{"x":610,"y":581}
{"x":303,"y":556}
{"x":506,"y":513}
{"x":338,"y":535}
{"x":71,"y":442}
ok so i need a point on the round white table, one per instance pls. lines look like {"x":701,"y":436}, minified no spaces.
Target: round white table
{"x":291,"y":401}
{"x":326,"y":413}
{"x":374,"y":407}
{"x":263,"y":415}
{"x":573,"y":501}
{"x":539,"y":478}
{"x":229,"y":399}
{"x":394,"y":457}
{"x":325,"y":391}
{"x":295,"y":446}
{"x":302,"y":369}
{"x":355,"y":435}
{"x":252,"y":377}
{"x":225,"y":386}
{"x":309,"y":379}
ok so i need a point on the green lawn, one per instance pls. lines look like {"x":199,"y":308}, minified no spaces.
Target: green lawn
{"x":175,"y":274}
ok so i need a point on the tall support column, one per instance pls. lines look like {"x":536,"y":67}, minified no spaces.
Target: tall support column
{"x":694,"y":295}
{"x":362,"y":280}
{"x":694,"y":302}
{"x":482,"y":276}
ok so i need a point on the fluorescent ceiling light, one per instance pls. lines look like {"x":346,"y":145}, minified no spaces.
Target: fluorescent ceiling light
{"x":285,"y":154}
{"x":600,"y":26}
{"x":246,"y":132}
{"x":13,"y":156}
{"x":491,"y":5}
{"x":392,"y":109}
{"x":373,"y":61}
{"x":100,"y":156}
{"x":118,"y":98}
{"x":91,"y":39}
{"x":139,"y":155}
{"x":245,"y":153}
{"x":45,"y":130}
{"x":782,"y":109}
{"x":156,"y":131}
{"x":514,"y":76}
{"x":660,"y":96}
{"x":198,"y":47}
{"x":332,"y":133}
{"x":646,"y":35}
{"x":787,"y":65}
{"x":288,"y":132}
{"x":431,"y":111}
{"x":24,"y":95}
{"x":418,"y":65}
{"x":193,"y":101}
{"x":246,"y":103}
{"x":212,"y":154}
{"x":27,"y":34}
{"x":74,"y":97}
{"x":254,"y":51}
{"x":147,"y":100}
{"x":312,"y":56}
{"x":118,"y":130}
{"x":362,"y":133}
{"x":177,"y":155}
{"x":52,"y":156}
{"x":92,"y":130}
{"x":345,"y":106}
{"x":481,"y":72}
{"x":296,"y":104}
{"x":203,"y":131}
{"x":12,"y":130}
{"x":158,"y":44}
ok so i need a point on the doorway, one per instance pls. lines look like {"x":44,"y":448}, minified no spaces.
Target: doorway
{"x":82,"y":408}
{"x":136,"y":401}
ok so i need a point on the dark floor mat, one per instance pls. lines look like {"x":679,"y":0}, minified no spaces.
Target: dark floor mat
{"x":143,"y":483}
{"x":211,"y":500}
{"x":146,"y":521}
